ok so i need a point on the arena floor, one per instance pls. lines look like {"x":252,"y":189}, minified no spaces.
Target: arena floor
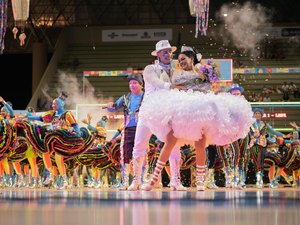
{"x":88,"y":206}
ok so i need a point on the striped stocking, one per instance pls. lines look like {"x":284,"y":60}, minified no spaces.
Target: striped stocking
{"x":157,"y":171}
{"x":200,"y":177}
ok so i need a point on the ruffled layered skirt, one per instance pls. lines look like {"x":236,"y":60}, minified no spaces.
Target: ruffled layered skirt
{"x":222,"y":118}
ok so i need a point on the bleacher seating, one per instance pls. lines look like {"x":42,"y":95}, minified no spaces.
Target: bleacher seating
{"x":109,"y":56}
{"x":105,"y":57}
{"x":256,"y":82}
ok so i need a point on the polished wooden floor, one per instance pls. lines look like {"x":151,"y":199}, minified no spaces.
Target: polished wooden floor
{"x":158,"y":207}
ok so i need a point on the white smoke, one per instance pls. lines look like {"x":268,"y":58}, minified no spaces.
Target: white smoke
{"x":77,"y":94}
{"x":84,"y":99}
{"x":242,"y":25}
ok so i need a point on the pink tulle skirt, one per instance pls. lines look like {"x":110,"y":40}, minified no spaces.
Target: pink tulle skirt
{"x":222,"y":118}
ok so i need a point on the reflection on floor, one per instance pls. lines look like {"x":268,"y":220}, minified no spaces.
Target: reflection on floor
{"x":87,"y":206}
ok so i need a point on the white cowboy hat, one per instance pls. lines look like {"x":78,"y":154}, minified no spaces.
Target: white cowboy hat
{"x":163,"y":44}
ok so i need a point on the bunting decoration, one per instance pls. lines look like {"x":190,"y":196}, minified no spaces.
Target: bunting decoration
{"x":200,"y":10}
{"x":3,"y":23}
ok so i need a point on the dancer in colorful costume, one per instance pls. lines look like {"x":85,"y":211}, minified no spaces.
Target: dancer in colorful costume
{"x":7,"y":139}
{"x":258,"y":142}
{"x":235,"y":173}
{"x":63,"y":137}
{"x":100,"y":133}
{"x":213,"y":119}
{"x":131,"y":104}
{"x":292,"y":167}
{"x":277,"y":156}
{"x":102,"y":160}
{"x":19,"y":149}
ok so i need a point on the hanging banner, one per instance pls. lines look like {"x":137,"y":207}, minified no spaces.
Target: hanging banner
{"x":136,"y":35}
{"x":264,"y":70}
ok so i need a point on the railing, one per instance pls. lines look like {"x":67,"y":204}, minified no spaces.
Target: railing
{"x":276,"y":112}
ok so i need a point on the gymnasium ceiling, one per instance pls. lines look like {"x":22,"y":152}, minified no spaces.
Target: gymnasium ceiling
{"x":48,"y":16}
